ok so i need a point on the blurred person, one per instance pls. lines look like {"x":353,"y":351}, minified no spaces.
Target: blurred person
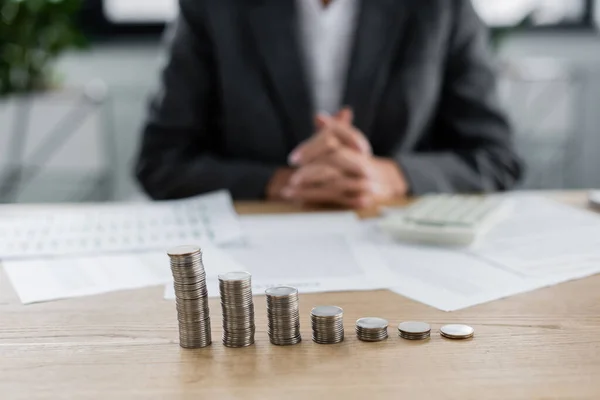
{"x":343,"y":102}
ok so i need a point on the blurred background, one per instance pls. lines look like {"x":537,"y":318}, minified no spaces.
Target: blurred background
{"x":75,"y":77}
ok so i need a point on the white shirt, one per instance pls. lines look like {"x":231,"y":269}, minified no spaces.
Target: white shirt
{"x":327,"y":37}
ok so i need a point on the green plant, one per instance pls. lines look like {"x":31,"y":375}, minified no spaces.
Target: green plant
{"x":33,"y":33}
{"x":499,"y":35}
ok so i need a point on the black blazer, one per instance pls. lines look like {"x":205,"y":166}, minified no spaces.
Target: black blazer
{"x":235,"y":101}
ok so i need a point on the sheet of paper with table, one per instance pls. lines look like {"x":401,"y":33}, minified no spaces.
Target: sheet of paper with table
{"x":27,"y":232}
{"x":91,"y":249}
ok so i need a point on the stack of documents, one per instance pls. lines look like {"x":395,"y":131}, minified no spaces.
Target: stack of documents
{"x":542,"y":243}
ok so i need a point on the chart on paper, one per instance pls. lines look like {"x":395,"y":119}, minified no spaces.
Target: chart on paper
{"x":102,"y":228}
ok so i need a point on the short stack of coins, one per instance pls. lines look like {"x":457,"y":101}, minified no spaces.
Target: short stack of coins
{"x":238,"y":309}
{"x":371,"y":329}
{"x":191,"y":296}
{"x":412,"y":330}
{"x":283,"y":315}
{"x":327,"y":324}
{"x":457,"y":331}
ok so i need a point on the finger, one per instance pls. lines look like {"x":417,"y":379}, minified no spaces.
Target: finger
{"x":350,"y":136}
{"x":318,"y":146}
{"x":315,"y":174}
{"x":348,"y":161}
{"x":342,"y":127}
{"x":345,"y":116}
{"x":321,"y":121}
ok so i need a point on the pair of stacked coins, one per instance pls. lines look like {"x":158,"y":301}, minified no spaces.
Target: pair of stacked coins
{"x":284,"y":315}
{"x":327,"y":324}
{"x":191,"y":296}
{"x":238,"y":309}
{"x":457,"y":331}
{"x":411,"y":330}
{"x":372,"y":329}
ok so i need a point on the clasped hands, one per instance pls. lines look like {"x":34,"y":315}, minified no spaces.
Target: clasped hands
{"x":336,"y":166}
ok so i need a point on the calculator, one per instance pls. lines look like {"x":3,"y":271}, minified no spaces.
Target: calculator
{"x":446,"y":219}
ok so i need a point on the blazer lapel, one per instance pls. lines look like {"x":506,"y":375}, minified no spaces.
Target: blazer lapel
{"x":275,"y":29}
{"x":380,"y":27}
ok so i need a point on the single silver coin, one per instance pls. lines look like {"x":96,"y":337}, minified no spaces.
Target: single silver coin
{"x":372,"y":323}
{"x":183,"y":251}
{"x":413,"y":327}
{"x":235,"y":276}
{"x":327,"y":311}
{"x":281,"y":291}
{"x":457,"y":331}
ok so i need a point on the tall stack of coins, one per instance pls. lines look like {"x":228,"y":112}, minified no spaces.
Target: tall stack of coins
{"x":327,"y":324}
{"x":191,"y":296}
{"x":283,"y":315}
{"x":238,"y":309}
{"x":372,"y":329}
{"x":411,"y":330}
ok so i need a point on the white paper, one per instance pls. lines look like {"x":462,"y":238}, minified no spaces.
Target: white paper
{"x":27,"y":232}
{"x":448,"y":280}
{"x":542,"y":243}
{"x":61,"y":278}
{"x":66,"y":277}
{"x":296,"y":224}
{"x":544,"y":239}
{"x":314,"y":252}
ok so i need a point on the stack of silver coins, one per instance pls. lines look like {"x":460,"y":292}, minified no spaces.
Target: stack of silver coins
{"x":412,"y":330}
{"x":238,"y":309}
{"x":457,"y":331}
{"x":283,"y":315}
{"x":191,"y":296}
{"x":372,"y":329}
{"x":327,"y":324}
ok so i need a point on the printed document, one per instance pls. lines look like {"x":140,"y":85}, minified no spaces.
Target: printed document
{"x":66,"y":277}
{"x":317,"y":252}
{"x":542,"y":243}
{"x":27,"y":232}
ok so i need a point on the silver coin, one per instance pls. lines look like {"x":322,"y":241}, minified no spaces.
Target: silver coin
{"x":235,"y":276}
{"x":371,"y":329}
{"x":457,"y":331}
{"x":372,"y":323}
{"x":415,"y":337}
{"x":183,"y":251}
{"x":281,"y":291}
{"x":414,"y":327}
{"x":327,"y":311}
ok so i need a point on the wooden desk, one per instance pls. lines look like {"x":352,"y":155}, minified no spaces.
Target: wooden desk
{"x":540,"y":345}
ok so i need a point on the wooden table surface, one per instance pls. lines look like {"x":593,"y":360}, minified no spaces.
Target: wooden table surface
{"x":540,"y":345}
